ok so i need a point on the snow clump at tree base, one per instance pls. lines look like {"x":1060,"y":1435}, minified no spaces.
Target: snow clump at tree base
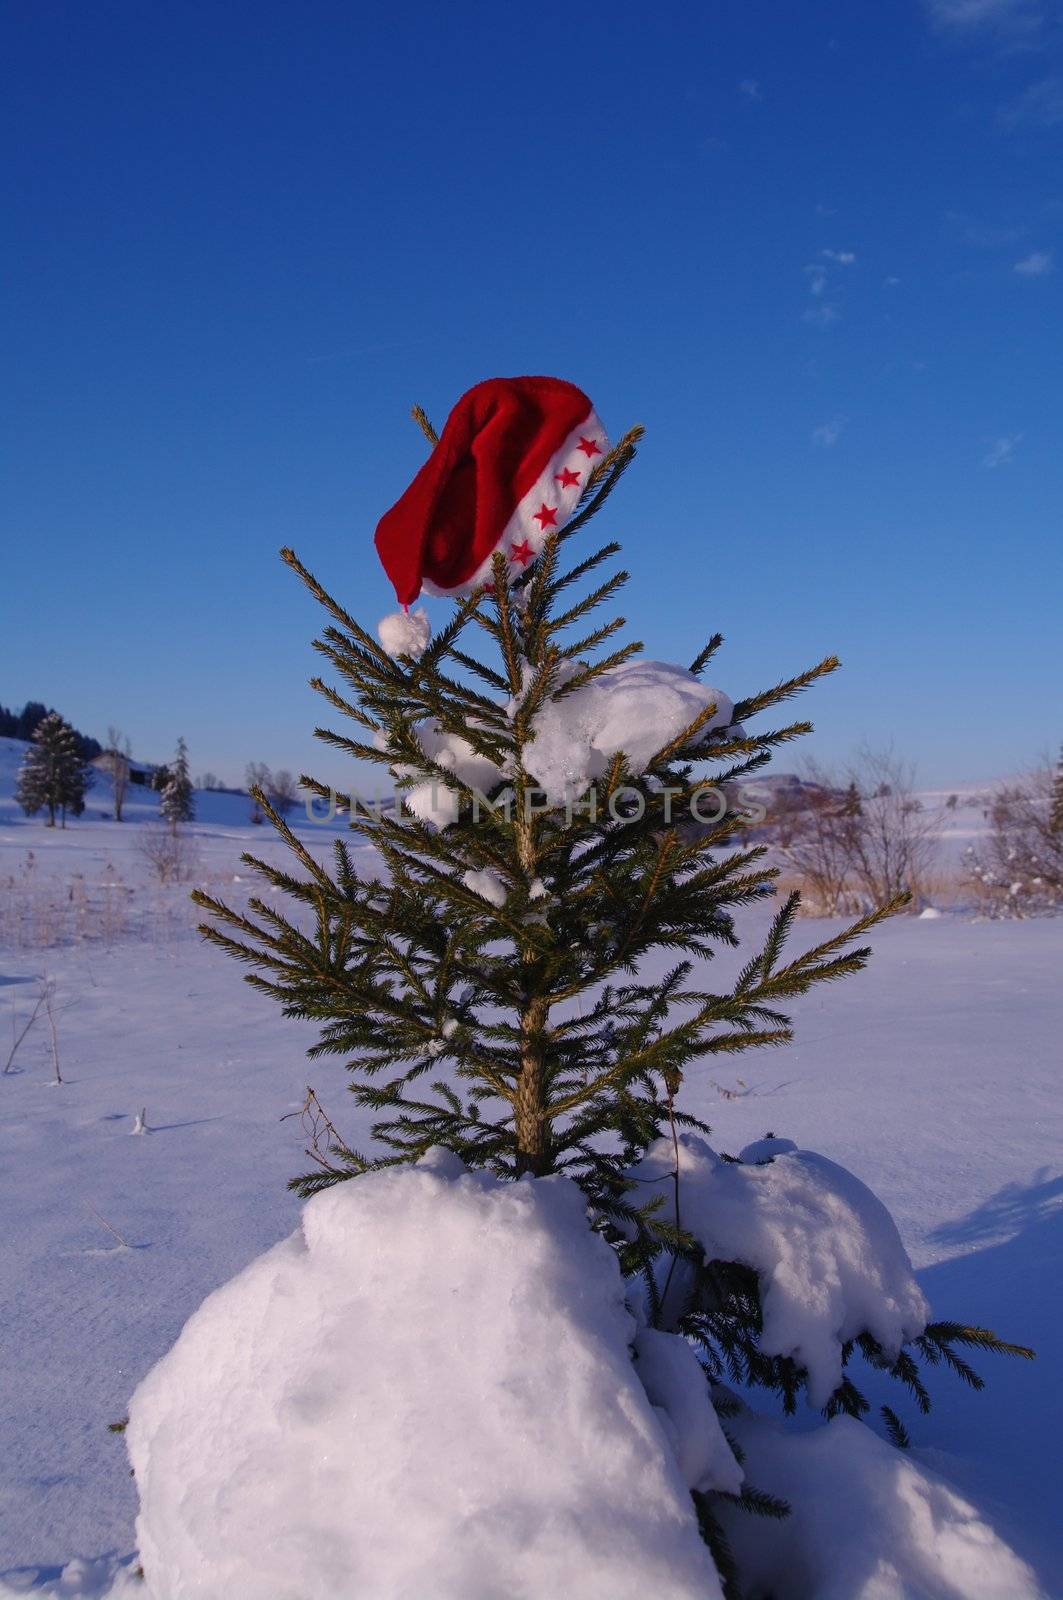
{"x":428,"y":1389}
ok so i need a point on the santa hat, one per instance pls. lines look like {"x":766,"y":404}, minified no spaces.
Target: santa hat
{"x":510,"y":465}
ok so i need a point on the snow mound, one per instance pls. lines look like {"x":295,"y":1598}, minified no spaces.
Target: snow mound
{"x":867,"y":1523}
{"x":426,"y":1390}
{"x":637,"y":707}
{"x":826,"y":1251}
{"x":674,"y":1379}
{"x":764,"y":1149}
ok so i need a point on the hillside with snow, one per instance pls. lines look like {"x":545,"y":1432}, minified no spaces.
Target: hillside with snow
{"x":934,"y":1076}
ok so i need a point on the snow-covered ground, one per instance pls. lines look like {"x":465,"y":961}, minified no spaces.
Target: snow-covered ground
{"x":935,"y":1076}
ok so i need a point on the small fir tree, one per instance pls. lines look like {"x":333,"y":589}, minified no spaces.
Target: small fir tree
{"x":53,"y":775}
{"x":177,"y":804}
{"x":1055,"y":811}
{"x":1018,"y":871}
{"x":488,"y":993}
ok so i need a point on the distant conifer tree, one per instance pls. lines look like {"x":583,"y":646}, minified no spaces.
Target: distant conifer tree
{"x":851,"y":806}
{"x":1055,"y":816}
{"x":177,"y":804}
{"x":53,"y":776}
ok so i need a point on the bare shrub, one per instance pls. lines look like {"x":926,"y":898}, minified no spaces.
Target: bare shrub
{"x":258,"y":777}
{"x":170,"y":855}
{"x":17,"y":1034}
{"x":893,"y":843}
{"x":116,"y":759}
{"x":48,"y":996}
{"x":283,"y":792}
{"x":858,"y":839}
{"x":113,"y":906}
{"x":46,"y":988}
{"x":1019,"y":871}
{"x":812,"y":824}
{"x":37,"y":910}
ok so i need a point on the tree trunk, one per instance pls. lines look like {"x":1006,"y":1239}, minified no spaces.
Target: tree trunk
{"x":533,"y":1139}
{"x":531,"y":1129}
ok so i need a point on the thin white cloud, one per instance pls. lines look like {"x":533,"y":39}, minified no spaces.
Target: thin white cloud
{"x":982,"y":235}
{"x":975,"y":13}
{"x":841,"y":258}
{"x":750,"y":87}
{"x":1039,"y":106}
{"x":826,"y":436}
{"x":891,"y":282}
{"x":1014,"y":23}
{"x":821,"y":316}
{"x":817,"y":279}
{"x":1035,"y":265}
{"x":1001,"y":452}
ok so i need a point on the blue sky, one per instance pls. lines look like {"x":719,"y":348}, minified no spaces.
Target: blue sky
{"x":816,"y":249}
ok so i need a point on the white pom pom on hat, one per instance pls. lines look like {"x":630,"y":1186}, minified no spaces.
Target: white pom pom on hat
{"x":405,"y":633}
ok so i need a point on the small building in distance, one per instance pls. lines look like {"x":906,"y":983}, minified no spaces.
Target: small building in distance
{"x":140,"y":772}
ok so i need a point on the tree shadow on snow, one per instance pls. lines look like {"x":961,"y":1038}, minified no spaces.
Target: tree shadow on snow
{"x":91,"y":1576}
{"x":1008,"y":1278}
{"x":1005,"y":1214}
{"x":193,"y":1122}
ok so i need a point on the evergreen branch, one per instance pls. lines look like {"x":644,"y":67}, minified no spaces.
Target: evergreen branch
{"x":366,"y":640}
{"x":294,"y":843}
{"x":623,"y":452}
{"x":621,"y":458}
{"x":336,"y":699}
{"x":783,"y":691}
{"x":421,"y":419}
{"x":898,"y":1433}
{"x":551,"y":589}
{"x":494,"y":679}
{"x":506,"y":635}
{"x":686,"y":737}
{"x":604,"y":590}
{"x":591,"y":640}
{"x":702,"y":659}
{"x":442,"y":644}
{"x":588,"y":675}
{"x":943,"y":1334}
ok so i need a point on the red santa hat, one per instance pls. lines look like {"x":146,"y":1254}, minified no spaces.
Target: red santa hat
{"x":510,"y":465}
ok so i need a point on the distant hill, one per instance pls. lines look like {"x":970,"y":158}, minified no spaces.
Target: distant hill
{"x":23,"y":724}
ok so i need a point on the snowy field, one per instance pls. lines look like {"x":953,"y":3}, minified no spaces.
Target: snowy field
{"x":935,"y":1076}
